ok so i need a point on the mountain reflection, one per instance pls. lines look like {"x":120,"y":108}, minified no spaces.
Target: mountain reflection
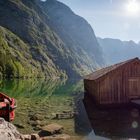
{"x":43,"y":98}
{"x":31,"y":87}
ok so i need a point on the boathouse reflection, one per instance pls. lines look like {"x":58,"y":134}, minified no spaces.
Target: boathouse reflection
{"x":122,"y":122}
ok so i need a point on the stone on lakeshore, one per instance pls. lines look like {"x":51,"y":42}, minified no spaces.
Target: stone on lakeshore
{"x":8,"y":131}
{"x":35,"y":137}
{"x":51,"y":130}
{"x":57,"y":137}
{"x":26,"y":137}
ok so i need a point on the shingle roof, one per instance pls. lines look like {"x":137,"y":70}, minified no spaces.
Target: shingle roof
{"x":99,"y":73}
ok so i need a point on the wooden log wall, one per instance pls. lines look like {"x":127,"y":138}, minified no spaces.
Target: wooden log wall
{"x":118,"y":86}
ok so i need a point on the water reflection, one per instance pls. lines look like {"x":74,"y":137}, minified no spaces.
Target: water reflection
{"x":82,"y":123}
{"x":43,"y":98}
{"x":29,"y":88}
{"x":123,"y":122}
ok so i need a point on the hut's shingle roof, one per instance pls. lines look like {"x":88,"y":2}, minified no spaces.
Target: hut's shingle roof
{"x":99,"y":73}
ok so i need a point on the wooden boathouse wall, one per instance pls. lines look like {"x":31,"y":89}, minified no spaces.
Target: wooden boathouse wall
{"x":118,"y":84}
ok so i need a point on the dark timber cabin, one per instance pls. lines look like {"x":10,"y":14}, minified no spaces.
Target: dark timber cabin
{"x":116,"y":84}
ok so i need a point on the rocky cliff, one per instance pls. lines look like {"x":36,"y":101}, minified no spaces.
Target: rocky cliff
{"x":49,"y":40}
{"x":77,"y":34}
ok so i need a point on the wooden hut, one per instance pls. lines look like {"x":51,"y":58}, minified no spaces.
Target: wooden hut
{"x":116,"y":84}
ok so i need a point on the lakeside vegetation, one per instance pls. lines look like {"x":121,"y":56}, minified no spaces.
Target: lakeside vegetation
{"x":36,"y":42}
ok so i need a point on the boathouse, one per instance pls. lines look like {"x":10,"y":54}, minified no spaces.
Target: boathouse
{"x":116,"y":84}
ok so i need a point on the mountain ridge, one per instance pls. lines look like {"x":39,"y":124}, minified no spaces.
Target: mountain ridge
{"x":115,"y":49}
{"x":57,"y":51}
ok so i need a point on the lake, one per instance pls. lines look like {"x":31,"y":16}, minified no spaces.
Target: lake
{"x":43,"y":99}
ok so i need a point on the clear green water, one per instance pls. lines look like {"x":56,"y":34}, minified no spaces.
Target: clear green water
{"x":43,"y":98}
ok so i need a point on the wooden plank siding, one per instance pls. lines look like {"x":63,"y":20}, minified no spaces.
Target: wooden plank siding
{"x":117,"y":86}
{"x":91,"y":89}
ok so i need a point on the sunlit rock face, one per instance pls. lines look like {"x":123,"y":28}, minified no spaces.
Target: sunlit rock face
{"x":75,"y":32}
{"x":56,"y":43}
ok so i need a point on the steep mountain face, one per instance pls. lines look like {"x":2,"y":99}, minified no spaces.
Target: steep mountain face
{"x":116,"y":50}
{"x":26,"y":24}
{"x":54,"y":48}
{"x":75,"y":32}
{"x":16,"y":59}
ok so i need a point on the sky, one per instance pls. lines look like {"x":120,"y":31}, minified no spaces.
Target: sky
{"x":118,"y":19}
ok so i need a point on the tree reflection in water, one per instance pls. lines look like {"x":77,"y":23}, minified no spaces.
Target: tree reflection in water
{"x":44,"y":98}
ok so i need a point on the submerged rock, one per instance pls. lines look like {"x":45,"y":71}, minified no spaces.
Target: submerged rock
{"x":51,"y":130}
{"x":36,"y":117}
{"x":64,"y":115}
